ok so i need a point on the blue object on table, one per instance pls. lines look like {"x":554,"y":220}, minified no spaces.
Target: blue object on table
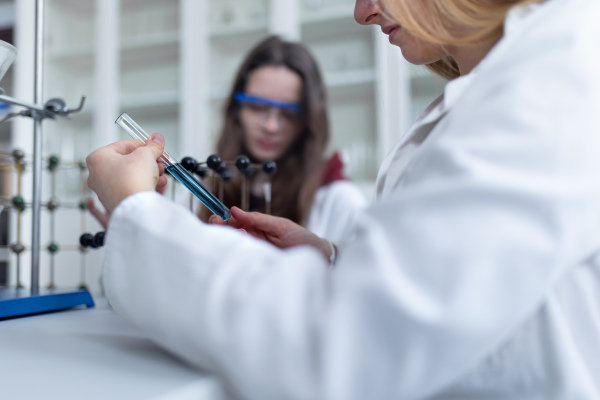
{"x":22,"y":302}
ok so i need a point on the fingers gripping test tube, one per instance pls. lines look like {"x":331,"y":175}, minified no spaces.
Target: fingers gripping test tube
{"x":176,"y":170}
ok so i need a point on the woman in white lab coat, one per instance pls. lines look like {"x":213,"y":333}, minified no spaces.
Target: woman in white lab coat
{"x":473,"y":275}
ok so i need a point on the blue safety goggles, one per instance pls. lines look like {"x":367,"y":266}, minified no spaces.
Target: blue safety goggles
{"x":243,"y":97}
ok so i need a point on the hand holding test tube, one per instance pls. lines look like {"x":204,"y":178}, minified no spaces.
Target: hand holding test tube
{"x":176,"y":170}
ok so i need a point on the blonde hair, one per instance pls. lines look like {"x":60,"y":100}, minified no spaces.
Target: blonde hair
{"x":453,"y":22}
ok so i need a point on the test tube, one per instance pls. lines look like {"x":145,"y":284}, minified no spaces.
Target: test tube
{"x":176,"y":170}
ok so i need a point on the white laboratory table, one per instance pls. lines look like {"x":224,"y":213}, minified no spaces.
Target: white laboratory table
{"x":92,"y":354}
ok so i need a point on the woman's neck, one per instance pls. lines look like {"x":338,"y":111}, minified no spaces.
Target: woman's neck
{"x":467,"y":57}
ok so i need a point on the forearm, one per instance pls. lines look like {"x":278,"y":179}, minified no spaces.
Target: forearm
{"x":222,"y":301}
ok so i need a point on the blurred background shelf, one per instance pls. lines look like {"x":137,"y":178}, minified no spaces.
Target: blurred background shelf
{"x":324,"y":14}
{"x":183,"y":54}
{"x":342,"y":79}
{"x":170,"y":64}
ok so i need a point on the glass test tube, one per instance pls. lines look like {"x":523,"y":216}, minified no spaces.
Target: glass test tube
{"x":176,"y":170}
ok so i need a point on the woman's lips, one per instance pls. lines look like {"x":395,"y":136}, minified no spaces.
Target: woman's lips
{"x":267,"y":145}
{"x":393,"y":32}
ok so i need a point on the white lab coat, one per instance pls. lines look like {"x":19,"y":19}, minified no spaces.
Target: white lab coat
{"x":335,"y":209}
{"x":473,"y":275}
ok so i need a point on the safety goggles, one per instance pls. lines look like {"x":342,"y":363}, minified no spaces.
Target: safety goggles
{"x":246,"y":98}
{"x":260,"y":109}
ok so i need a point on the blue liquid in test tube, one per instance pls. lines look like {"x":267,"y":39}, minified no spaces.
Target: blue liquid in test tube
{"x":176,"y":170}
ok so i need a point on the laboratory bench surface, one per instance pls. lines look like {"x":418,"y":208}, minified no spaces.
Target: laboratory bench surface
{"x":92,"y":354}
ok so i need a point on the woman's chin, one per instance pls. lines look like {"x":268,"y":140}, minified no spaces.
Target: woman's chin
{"x":262,"y":155}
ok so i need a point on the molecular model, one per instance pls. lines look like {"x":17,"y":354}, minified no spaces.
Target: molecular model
{"x":223,"y":171}
{"x":16,"y":162}
{"x":219,"y":172}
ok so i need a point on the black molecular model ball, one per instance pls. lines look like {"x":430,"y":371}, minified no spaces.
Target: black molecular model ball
{"x":242,"y":163}
{"x":269,"y":167}
{"x":99,"y":239}
{"x":199,"y":170}
{"x":221,"y":168}
{"x":86,"y":240}
{"x":188,"y":163}
{"x":213,"y":161}
{"x":226,"y":175}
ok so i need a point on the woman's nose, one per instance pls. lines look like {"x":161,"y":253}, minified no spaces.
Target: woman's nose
{"x":367,"y":12}
{"x":272,"y":122}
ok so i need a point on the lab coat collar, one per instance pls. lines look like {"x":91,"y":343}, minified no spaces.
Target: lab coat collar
{"x":515,"y":19}
{"x":440,"y":106}
{"x":454,"y":89}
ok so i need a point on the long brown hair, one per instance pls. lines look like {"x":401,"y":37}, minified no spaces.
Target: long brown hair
{"x":483,"y":19}
{"x":299,"y":170}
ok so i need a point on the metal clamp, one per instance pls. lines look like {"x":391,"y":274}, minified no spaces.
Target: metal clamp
{"x":51,"y":109}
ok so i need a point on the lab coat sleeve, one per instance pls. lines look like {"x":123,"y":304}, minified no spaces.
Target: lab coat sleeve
{"x":500,"y":204}
{"x":217,"y":298}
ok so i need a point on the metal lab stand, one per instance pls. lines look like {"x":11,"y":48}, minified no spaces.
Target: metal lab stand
{"x":20,"y":302}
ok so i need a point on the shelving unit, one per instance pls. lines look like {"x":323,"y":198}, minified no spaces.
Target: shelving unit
{"x":169,"y":64}
{"x":156,"y":60}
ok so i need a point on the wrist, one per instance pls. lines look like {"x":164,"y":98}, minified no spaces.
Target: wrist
{"x":329,"y":250}
{"x":334,"y":254}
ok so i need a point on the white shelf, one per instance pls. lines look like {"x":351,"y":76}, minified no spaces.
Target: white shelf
{"x":133,"y":5}
{"x":331,"y":23}
{"x":155,"y":39}
{"x":149,"y":41}
{"x":328,"y":13}
{"x":230,"y":32}
{"x":150,"y":100}
{"x":68,"y":52}
{"x":158,"y":47}
{"x":76,"y":6}
{"x":219,"y":92}
{"x":75,"y":58}
{"x":350,"y":78}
